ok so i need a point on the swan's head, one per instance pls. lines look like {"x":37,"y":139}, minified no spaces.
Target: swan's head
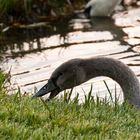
{"x":66,"y":76}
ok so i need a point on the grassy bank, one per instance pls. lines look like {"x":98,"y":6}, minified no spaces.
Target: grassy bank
{"x":31,"y":11}
{"x":25,"y":118}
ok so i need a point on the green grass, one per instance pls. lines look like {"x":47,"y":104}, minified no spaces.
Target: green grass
{"x":16,"y":12}
{"x":22,"y":7}
{"x":23,"y":118}
{"x":6,"y":5}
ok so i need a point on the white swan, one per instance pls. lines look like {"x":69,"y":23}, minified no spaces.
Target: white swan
{"x":77,"y":71}
{"x":100,"y":7}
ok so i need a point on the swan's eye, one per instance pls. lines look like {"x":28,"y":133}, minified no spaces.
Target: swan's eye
{"x":61,"y":74}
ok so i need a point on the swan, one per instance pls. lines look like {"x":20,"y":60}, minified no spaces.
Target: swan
{"x":97,"y":8}
{"x":77,"y":71}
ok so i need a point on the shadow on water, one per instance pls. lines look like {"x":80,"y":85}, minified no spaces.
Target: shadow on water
{"x":108,"y":24}
{"x":14,"y":40}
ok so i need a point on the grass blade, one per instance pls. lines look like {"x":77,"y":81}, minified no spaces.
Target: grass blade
{"x":108,"y":90}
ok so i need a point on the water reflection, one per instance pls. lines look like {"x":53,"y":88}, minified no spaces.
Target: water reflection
{"x":62,"y":34}
{"x":18,"y":42}
{"x":32,"y":55}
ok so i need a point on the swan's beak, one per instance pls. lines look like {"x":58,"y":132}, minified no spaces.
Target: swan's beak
{"x":49,"y":87}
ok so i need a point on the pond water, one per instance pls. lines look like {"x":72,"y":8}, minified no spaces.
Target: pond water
{"x":31,"y":55}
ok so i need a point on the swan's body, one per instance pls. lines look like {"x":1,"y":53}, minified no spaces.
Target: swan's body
{"x":101,"y":7}
{"x":77,"y":71}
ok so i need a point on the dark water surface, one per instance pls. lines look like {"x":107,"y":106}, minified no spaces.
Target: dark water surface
{"x":32,"y":55}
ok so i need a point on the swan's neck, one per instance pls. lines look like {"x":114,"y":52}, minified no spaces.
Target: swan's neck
{"x":119,"y":72}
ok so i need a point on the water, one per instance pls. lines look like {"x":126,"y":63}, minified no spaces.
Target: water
{"x":32,"y":55}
